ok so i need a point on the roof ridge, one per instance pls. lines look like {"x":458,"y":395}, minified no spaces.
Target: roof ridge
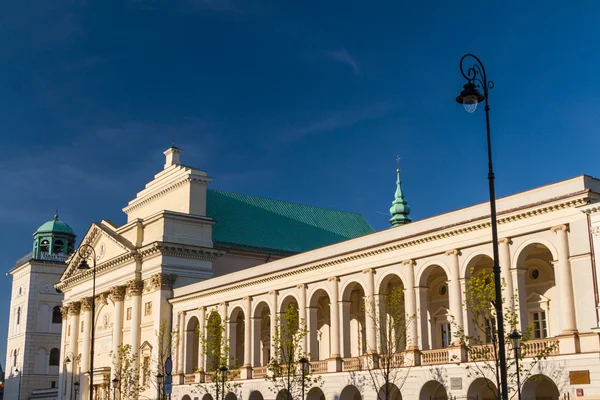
{"x":286,"y":201}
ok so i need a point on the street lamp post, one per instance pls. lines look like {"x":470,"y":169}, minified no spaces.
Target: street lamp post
{"x":303,"y":365}
{"x":84,"y":251}
{"x":159,"y":381}
{"x":470,"y":97}
{"x":516,"y":342}
{"x":115,"y":384}
{"x":76,"y":386}
{"x":223,"y":375}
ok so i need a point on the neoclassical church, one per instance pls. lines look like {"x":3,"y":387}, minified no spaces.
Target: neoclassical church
{"x":187,"y":250}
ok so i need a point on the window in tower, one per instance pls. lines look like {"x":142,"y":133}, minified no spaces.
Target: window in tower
{"x":58,"y":247}
{"x":18,"y":315}
{"x":54,"y":357}
{"x":56,"y":315}
{"x":44,"y":248}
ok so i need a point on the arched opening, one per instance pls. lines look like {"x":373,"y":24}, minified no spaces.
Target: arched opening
{"x":315,"y":394}
{"x":354,"y":318}
{"x":320,"y":325}
{"x":479,"y":294}
{"x":350,"y":393}
{"x":392,"y":316}
{"x":186,"y":397}
{"x":284,"y":395}
{"x":262,"y":330}
{"x":237,"y":335}
{"x":436,"y":328}
{"x":214,"y":339}
{"x":256,"y":395}
{"x":45,"y":246}
{"x":56,"y":315}
{"x":207,"y":397}
{"x":393,"y":393}
{"x":433,"y":390}
{"x":539,"y":283}
{"x":54,"y":357}
{"x":482,"y":389}
{"x":540,"y":387}
{"x":58,"y":247}
{"x":230,"y":396}
{"x":192,"y":346}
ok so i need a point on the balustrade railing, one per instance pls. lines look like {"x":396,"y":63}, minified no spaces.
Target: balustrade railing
{"x":318,"y":367}
{"x":351,"y":364}
{"x":548,"y":346}
{"x":436,"y":356}
{"x":188,"y":379}
{"x":259,"y":372}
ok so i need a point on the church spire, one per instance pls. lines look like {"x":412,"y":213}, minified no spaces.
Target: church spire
{"x":400,"y":208}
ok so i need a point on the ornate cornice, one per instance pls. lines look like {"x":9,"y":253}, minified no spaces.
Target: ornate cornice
{"x":180,"y":251}
{"x":135,"y":287}
{"x":117,"y":293}
{"x":159,"y":281}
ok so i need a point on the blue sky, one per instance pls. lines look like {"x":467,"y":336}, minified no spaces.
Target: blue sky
{"x":305,"y":101}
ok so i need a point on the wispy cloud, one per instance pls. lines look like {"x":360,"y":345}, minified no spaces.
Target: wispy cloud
{"x":343,"y":56}
{"x":330,"y":121}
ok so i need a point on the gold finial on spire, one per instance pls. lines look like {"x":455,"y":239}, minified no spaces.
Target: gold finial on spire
{"x":398,"y":163}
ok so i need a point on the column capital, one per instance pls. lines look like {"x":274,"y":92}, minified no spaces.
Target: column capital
{"x":64,"y":310}
{"x":409,"y":262}
{"x":301,"y":286}
{"x":272,"y":292}
{"x":224,"y":303}
{"x":117,"y":293}
{"x":86,"y":304}
{"x":159,"y":281}
{"x":563,"y":227}
{"x":201,"y":308}
{"x":368,"y":271}
{"x":504,"y":240}
{"x":135,"y":287}
{"x":452,"y":252}
{"x":334,"y":278}
{"x":102,"y":299}
{"x":74,"y":308}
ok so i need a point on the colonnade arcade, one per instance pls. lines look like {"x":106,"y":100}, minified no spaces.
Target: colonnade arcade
{"x":336,"y":309}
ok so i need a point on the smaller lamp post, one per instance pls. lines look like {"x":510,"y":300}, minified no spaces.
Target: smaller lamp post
{"x":516,"y":342}
{"x":223,"y":376}
{"x":76,"y":386}
{"x":115,"y":385}
{"x":304,"y":365}
{"x":159,"y":380}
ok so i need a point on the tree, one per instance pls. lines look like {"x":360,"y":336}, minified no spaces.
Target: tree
{"x":482,"y":342}
{"x":127,"y":372}
{"x":389,"y":367}
{"x":216,"y":350}
{"x":285,"y":369}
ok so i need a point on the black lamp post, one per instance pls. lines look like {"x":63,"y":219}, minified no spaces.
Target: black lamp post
{"x":84,"y":251}
{"x":115,"y":385}
{"x":76,"y":386}
{"x":303,"y":365}
{"x":223,"y":375}
{"x":516,"y":342}
{"x":159,"y":380}
{"x":470,"y":97}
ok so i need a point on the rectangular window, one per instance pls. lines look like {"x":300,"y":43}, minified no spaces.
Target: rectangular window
{"x":148,"y":308}
{"x":446,"y":335}
{"x":540,"y":327}
{"x":128,"y":313}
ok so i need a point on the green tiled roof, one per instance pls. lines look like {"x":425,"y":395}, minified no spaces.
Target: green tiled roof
{"x":272,"y":226}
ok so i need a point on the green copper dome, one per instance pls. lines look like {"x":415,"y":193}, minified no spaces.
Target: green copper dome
{"x":55,"y":226}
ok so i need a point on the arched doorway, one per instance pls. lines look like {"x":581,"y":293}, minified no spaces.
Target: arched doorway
{"x":354,"y":319}
{"x":540,"y":387}
{"x":320,"y":324}
{"x":231,"y":396}
{"x":237,"y":335}
{"x":482,"y":389}
{"x":284,"y":395}
{"x":186,"y":397}
{"x":192,"y":345}
{"x":392,"y":394}
{"x":206,"y":397}
{"x":433,"y":390}
{"x":256,"y":395}
{"x":392,"y":315}
{"x":315,"y":394}
{"x":350,"y":393}
{"x":479,"y":292}
{"x":434,"y":297}
{"x":262,"y":329}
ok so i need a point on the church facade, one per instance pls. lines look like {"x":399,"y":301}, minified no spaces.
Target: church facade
{"x":187,"y":250}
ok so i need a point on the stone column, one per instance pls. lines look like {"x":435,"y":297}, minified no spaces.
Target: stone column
{"x":86,"y":336}
{"x":411,"y":305}
{"x":117,"y":295}
{"x":180,"y":367}
{"x":302,"y":312}
{"x":335,"y":360}
{"x":456,"y":309}
{"x":63,"y":367}
{"x":274,"y":312}
{"x":564,"y":281}
{"x":134,"y":289}
{"x":370,"y":312}
{"x":201,"y":332}
{"x":73,"y":311}
{"x":505,"y":268}
{"x":247,"y":367}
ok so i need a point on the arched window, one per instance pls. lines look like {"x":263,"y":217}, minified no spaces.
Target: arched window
{"x":15,"y":353}
{"x":45,"y":246}
{"x":18,"y":315}
{"x":56,"y":315}
{"x":54,"y":357}
{"x":58,"y":247}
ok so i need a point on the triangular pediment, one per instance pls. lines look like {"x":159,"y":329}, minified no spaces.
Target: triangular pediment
{"x":107,"y":244}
